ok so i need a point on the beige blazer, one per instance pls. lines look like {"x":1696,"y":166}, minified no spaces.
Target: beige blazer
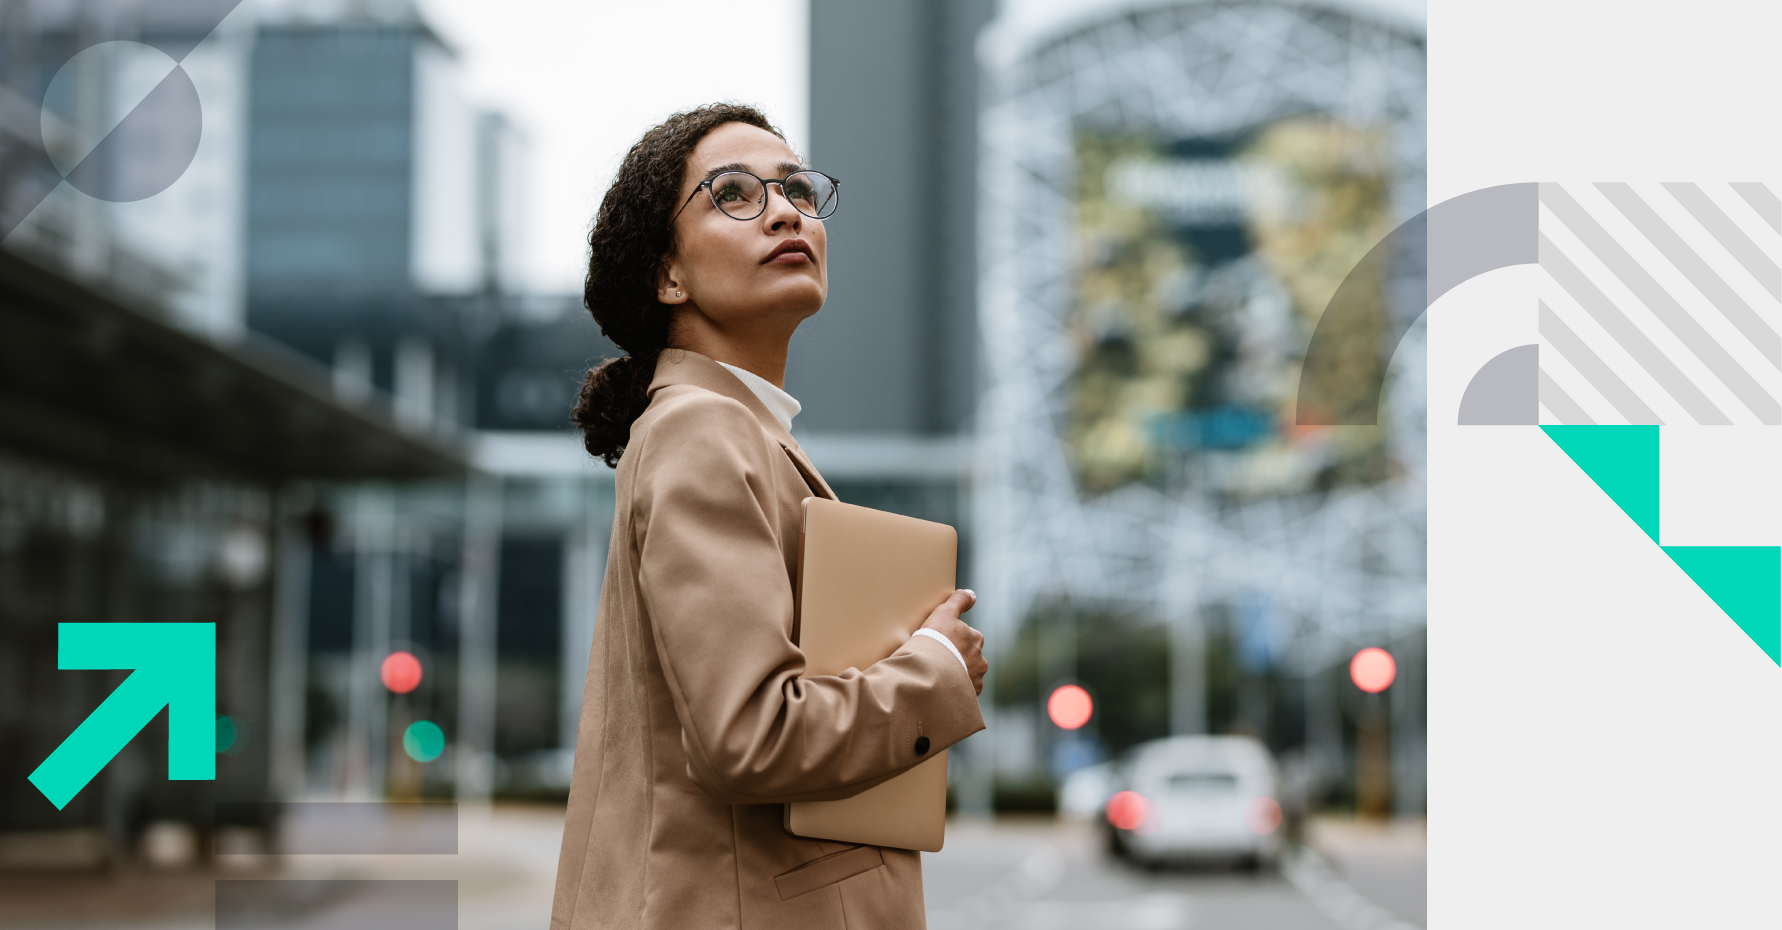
{"x":695,"y":726}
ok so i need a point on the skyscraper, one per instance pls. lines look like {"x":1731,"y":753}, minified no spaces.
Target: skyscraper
{"x":887,"y":371}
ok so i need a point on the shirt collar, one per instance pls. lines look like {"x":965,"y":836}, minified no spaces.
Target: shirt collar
{"x":679,"y":366}
{"x":782,"y":405}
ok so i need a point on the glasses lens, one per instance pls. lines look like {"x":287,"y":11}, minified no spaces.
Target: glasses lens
{"x":738,"y":194}
{"x":812,"y":193}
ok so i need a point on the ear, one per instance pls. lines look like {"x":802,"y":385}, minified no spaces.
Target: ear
{"x":668,"y":284}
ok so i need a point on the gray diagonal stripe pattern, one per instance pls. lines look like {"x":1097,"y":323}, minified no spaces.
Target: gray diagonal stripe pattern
{"x":1595,"y":371}
{"x":1662,"y":304}
{"x":1705,"y":279}
{"x":1610,"y":318}
{"x":1556,"y":400}
{"x":1721,"y":226}
{"x":1761,"y":199}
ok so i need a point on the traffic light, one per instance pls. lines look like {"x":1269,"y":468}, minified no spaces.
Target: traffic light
{"x":1070,"y":707}
{"x":1373,"y":669}
{"x":401,"y":672}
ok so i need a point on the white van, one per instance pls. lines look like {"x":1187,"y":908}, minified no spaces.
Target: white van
{"x":1209,"y":798}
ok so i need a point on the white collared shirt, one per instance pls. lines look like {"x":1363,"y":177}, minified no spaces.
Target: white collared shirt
{"x":782,"y":405}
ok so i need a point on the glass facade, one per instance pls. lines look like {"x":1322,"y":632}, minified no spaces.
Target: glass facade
{"x":330,"y":156}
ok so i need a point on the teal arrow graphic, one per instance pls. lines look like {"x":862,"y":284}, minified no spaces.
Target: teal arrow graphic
{"x":1745,"y":581}
{"x":175,"y":667}
{"x":1623,"y":461}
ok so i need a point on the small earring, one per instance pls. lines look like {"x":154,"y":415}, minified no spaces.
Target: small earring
{"x":677,"y":293}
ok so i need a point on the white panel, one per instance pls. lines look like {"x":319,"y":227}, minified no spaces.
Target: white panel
{"x":541,"y":454}
{"x":447,"y":258}
{"x":1718,"y":487}
{"x":1599,"y":748}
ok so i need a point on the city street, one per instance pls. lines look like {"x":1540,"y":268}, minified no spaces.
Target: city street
{"x":325,"y":325}
{"x":1023,"y":874}
{"x":1043,"y":875}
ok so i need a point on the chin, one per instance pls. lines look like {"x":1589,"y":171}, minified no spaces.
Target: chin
{"x":807,"y":295}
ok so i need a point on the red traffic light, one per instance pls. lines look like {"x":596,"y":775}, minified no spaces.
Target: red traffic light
{"x":1070,"y":707}
{"x":1372,"y":669}
{"x":401,"y":672}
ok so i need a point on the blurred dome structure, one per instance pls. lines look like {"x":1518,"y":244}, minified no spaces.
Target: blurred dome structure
{"x":1170,"y":192}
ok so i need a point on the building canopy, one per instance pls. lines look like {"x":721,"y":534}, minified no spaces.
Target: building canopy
{"x":89,"y":379}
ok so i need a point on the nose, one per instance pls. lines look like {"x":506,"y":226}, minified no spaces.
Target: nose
{"x":780,"y":214}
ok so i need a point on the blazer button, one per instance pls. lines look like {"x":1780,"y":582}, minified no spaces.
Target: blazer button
{"x":921,"y":745}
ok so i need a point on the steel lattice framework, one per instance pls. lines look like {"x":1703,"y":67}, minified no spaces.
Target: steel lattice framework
{"x":1337,"y":568}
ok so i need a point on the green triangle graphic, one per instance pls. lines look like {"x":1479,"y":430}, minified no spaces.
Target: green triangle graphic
{"x":1746,"y":581}
{"x":1623,"y":461}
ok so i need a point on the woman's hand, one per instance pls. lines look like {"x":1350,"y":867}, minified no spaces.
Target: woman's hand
{"x":970,"y":643}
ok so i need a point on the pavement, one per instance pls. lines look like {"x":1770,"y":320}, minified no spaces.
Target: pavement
{"x":506,"y":871}
{"x":1050,"y":875}
{"x":1031,"y":874}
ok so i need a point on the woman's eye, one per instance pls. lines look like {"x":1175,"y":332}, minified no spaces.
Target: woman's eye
{"x":728,"y":191}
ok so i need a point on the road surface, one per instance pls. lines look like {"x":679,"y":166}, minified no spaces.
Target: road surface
{"x":1010,"y":873}
{"x":1043,"y":875}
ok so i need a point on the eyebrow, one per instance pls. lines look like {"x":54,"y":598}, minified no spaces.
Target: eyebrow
{"x":786,"y":167}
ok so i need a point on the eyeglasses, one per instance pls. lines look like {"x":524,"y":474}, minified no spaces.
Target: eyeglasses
{"x":743,"y":196}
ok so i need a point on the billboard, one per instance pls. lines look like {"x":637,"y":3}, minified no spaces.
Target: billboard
{"x":1202,"y":265}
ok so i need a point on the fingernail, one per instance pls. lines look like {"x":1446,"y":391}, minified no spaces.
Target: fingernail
{"x":974,"y":594}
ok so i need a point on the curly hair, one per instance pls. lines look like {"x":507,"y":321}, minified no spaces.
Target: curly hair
{"x":631,"y":238}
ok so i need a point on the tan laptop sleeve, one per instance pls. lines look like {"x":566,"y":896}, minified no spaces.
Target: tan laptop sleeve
{"x":866,"y":582}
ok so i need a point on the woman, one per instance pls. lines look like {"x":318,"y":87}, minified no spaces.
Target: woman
{"x":708,"y":251}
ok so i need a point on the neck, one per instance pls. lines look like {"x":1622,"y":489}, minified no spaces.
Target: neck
{"x":758,"y":349}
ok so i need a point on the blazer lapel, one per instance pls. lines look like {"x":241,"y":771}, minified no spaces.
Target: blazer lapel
{"x":679,"y":366}
{"x":809,"y":471}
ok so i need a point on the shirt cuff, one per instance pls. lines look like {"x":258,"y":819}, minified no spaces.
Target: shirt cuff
{"x":938,"y":635}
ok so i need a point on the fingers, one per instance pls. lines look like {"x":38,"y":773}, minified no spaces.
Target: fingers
{"x":956,"y":603}
{"x":976,"y":665}
{"x":968,"y":640}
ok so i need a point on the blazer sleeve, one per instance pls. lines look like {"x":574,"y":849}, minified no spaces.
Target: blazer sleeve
{"x":713,"y":582}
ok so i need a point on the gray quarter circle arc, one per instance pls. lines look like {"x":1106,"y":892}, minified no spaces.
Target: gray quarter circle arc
{"x":1457,"y":240}
{"x":1505,"y":391}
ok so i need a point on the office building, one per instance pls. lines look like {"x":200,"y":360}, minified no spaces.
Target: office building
{"x":383,"y":224}
{"x":154,"y":456}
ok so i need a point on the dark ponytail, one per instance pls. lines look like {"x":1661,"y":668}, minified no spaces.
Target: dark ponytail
{"x":632,"y":236}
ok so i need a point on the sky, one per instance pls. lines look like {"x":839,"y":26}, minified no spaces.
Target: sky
{"x":583,"y":79}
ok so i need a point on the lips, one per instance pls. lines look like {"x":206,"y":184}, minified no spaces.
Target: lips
{"x":790,"y":251}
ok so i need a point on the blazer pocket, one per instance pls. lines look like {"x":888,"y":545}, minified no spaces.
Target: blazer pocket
{"x":819,"y":873}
